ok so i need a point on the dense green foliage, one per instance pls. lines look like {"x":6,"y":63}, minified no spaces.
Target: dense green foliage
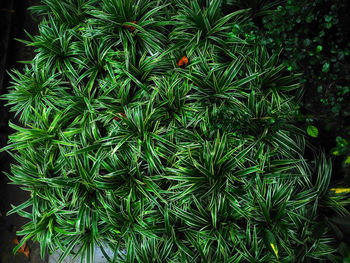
{"x":120,"y":146}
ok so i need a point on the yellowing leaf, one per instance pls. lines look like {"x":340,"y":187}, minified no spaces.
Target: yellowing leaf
{"x":274,"y":248}
{"x":340,"y":190}
{"x":270,"y":242}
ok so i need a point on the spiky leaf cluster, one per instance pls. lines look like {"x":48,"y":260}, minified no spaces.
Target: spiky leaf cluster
{"x":121,"y":147}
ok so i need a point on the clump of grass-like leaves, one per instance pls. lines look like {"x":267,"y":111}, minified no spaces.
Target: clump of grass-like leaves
{"x":199,"y":161}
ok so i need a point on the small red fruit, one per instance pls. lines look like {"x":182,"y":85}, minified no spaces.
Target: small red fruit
{"x":117,"y":118}
{"x":130,"y":28}
{"x":23,"y":249}
{"x":26,"y":252}
{"x":183,"y":61}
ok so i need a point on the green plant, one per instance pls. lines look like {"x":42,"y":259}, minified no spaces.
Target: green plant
{"x":342,"y":148}
{"x":313,"y":36}
{"x":119,"y":146}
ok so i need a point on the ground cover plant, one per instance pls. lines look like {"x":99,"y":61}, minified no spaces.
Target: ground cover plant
{"x":149,"y":127}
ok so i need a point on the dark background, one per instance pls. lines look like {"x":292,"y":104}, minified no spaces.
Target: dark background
{"x":14,"y":19}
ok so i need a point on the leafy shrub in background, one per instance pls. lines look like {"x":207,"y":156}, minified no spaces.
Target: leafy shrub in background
{"x":314,"y":37}
{"x":198,"y":161}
